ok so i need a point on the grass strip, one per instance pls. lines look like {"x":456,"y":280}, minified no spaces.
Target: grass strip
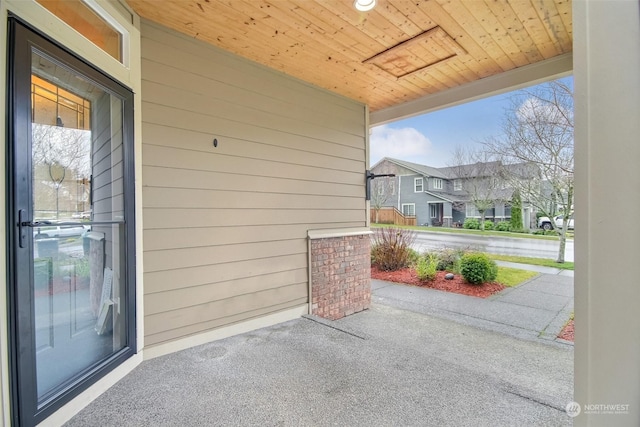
{"x":545,"y":262}
{"x":513,"y":276}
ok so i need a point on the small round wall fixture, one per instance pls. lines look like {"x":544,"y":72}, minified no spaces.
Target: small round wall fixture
{"x":364,"y":5}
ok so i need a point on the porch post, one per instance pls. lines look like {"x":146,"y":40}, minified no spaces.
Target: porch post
{"x":607,"y":102}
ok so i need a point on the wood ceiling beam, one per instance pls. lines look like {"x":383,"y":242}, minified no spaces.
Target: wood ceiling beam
{"x":550,"y":69}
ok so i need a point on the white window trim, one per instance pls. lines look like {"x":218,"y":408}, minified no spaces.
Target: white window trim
{"x":475,"y":212}
{"x":433,"y":212}
{"x":413,"y":208}
{"x":437,"y":183}
{"x":125,"y":43}
{"x":415,"y":185}
{"x":457,"y":185}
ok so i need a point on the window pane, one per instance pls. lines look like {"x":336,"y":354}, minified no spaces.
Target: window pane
{"x":81,"y":18}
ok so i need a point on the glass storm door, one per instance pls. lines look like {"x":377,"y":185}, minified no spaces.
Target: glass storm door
{"x":71,"y":210}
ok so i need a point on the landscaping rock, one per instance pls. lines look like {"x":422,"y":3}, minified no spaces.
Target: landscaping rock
{"x":449,"y":276}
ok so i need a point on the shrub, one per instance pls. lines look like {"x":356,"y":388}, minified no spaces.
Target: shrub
{"x":449,"y":260}
{"x":488,"y":225}
{"x":471,"y":224}
{"x":426,"y":267}
{"x":545,"y":232}
{"x":503,"y":226}
{"x":477,"y":268}
{"x":391,"y":248}
{"x":414,"y":256}
{"x":516,"y":211}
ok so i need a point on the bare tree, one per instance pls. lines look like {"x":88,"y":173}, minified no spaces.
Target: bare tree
{"x":381,"y":191}
{"x":59,"y":154}
{"x":538,"y":131}
{"x":479,"y":177}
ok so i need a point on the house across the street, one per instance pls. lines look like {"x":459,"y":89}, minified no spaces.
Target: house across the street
{"x":444,"y":196}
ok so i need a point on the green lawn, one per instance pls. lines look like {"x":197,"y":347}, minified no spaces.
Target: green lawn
{"x":472,"y":232}
{"x":513,"y":276}
{"x":532,"y":261}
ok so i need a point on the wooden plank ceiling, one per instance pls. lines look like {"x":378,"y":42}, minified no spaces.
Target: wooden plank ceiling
{"x":400,"y":51}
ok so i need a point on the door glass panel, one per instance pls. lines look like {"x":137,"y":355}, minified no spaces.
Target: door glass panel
{"x":78,"y":235}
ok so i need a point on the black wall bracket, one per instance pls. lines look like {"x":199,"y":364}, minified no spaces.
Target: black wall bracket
{"x":369,"y":176}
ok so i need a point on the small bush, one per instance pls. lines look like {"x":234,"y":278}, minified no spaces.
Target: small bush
{"x":471,"y":224}
{"x":503,"y":226}
{"x":477,"y":268}
{"x":542,"y":232}
{"x":488,"y":225}
{"x":426,"y":267}
{"x":519,"y":230}
{"x":391,"y":248}
{"x":449,"y":260}
{"x":414,"y":256}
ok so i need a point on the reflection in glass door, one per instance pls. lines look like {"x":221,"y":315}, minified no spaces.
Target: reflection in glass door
{"x":72,"y":283}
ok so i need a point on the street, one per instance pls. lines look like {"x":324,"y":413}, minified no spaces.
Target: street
{"x":537,"y":248}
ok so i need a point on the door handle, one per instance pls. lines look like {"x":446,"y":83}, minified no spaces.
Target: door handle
{"x":22,"y":224}
{"x":35,"y":224}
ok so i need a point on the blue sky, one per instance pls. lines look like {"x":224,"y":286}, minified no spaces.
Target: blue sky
{"x":431,"y":139}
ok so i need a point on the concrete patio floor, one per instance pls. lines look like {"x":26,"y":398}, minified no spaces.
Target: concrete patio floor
{"x":383,"y":367}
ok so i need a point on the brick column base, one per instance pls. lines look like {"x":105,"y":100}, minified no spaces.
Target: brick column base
{"x":340,"y":275}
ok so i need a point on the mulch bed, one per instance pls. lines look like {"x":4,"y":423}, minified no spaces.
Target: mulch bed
{"x":458,"y":285}
{"x":567,"y":332}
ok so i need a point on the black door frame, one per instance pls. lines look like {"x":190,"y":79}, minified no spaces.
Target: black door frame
{"x":21,"y":41}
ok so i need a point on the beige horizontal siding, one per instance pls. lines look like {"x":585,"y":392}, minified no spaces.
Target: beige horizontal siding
{"x":221,"y":128}
{"x":180,"y":238}
{"x":202,"y":294}
{"x":225,"y":227}
{"x":198,"y":102}
{"x":246,"y":199}
{"x":188,"y":178}
{"x":170,"y":280}
{"x":181,"y":218}
{"x":207,"y":255}
{"x":279,"y":150}
{"x":194,"y":329}
{"x":169,"y":157}
{"x":174,"y":52}
{"x":241,"y":303}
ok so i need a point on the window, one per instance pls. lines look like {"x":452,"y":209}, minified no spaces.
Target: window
{"x":457,"y":185}
{"x":409,"y":209}
{"x":472,"y":211}
{"x":90,"y":20}
{"x":433,"y":211}
{"x":437,"y":184}
{"x":418,"y":185}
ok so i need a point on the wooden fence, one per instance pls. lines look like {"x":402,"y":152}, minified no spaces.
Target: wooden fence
{"x":388,"y":215}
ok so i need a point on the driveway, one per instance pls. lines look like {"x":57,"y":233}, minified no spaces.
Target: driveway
{"x":386,"y":366}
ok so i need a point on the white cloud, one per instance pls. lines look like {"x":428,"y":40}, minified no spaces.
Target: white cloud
{"x":403,"y":143}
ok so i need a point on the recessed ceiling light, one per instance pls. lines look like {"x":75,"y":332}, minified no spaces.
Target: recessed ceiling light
{"x":364,"y":5}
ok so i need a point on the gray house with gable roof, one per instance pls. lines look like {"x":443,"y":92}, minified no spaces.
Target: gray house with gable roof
{"x":436,"y":196}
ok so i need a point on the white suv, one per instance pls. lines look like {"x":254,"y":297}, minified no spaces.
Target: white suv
{"x":58,"y":231}
{"x":545,"y":223}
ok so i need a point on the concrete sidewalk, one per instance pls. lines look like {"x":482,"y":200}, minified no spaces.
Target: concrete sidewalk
{"x":536,"y":309}
{"x":380,"y":367}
